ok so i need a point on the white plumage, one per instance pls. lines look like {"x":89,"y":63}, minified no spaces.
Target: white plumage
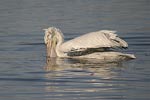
{"x":99,"y":39}
{"x":91,"y":45}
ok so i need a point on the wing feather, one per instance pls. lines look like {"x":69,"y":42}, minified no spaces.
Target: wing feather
{"x":99,"y":39}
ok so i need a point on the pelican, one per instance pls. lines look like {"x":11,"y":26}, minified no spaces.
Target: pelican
{"x":94,"y":45}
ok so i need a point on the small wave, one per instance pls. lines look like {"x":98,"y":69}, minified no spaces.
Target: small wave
{"x":20,"y":79}
{"x":140,"y":44}
{"x":137,"y":37}
{"x":31,"y":43}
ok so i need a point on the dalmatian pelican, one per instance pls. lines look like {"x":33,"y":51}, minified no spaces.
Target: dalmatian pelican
{"x":96,"y":45}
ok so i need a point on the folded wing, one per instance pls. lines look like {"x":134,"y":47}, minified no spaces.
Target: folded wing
{"x":94,"y":41}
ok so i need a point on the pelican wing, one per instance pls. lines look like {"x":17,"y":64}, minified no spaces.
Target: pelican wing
{"x":94,"y":41}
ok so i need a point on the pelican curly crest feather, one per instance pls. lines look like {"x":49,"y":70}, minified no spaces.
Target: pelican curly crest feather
{"x":98,"y":45}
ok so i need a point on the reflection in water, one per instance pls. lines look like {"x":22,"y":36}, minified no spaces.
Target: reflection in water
{"x":76,"y":77}
{"x":96,"y":67}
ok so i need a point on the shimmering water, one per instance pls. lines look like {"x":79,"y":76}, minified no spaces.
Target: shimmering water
{"x":25,"y":74}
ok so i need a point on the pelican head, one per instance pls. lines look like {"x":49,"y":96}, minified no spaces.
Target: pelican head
{"x":52,"y":38}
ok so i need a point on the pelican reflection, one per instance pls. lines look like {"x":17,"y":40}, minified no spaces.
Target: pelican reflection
{"x":77,"y":76}
{"x":93,"y":66}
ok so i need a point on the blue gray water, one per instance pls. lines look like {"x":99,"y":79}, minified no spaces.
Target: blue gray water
{"x":25,"y":74}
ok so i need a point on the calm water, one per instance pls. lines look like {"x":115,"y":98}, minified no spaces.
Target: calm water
{"x":25,"y":74}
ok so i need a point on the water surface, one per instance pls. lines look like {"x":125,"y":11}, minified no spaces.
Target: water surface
{"x":26,"y":75}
